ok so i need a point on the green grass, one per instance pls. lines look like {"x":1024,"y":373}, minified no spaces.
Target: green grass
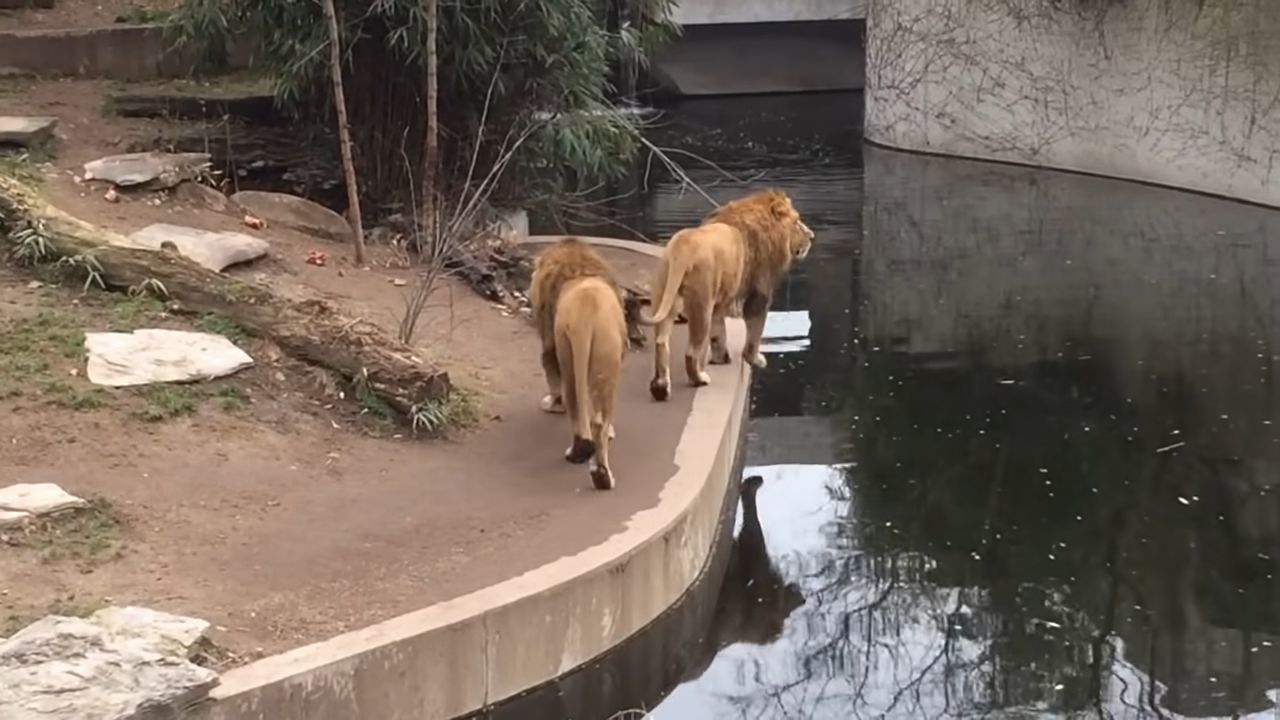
{"x":23,"y":165}
{"x":85,"y":537}
{"x":69,"y":606}
{"x":27,"y":343}
{"x":166,"y":402}
{"x":232,"y":398}
{"x":67,"y":396}
{"x":131,"y":313}
{"x":222,"y":325}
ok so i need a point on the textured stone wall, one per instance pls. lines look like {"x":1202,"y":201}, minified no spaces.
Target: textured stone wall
{"x":1178,"y":92}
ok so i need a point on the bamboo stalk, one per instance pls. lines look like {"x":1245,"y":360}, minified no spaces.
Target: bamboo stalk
{"x":344,"y":130}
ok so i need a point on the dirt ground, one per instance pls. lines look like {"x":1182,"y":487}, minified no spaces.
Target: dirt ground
{"x":67,"y":14}
{"x":263,"y":502}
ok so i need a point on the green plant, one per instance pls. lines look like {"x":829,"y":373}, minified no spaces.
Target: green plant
{"x":70,"y":397}
{"x":165,"y":402}
{"x":30,"y":246}
{"x":458,"y":410}
{"x":505,"y":66}
{"x":85,"y":264}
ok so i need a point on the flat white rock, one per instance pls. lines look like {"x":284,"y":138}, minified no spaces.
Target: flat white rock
{"x":12,"y":517}
{"x":154,"y":169}
{"x":118,"y":664}
{"x":37,"y":498}
{"x":26,"y":130}
{"x":213,"y":250}
{"x":148,"y":356}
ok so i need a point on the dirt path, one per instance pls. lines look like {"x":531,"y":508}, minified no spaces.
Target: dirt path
{"x":275,"y":516}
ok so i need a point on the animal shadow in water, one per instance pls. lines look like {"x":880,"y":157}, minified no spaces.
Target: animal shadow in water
{"x":754,"y":601}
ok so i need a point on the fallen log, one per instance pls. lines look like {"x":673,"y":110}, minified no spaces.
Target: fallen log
{"x":313,"y":331}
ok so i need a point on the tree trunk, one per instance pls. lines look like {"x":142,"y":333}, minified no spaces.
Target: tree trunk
{"x":430,"y":204}
{"x":344,"y":131}
{"x":311,"y":330}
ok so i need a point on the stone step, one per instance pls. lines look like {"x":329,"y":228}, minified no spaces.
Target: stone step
{"x":26,"y":131}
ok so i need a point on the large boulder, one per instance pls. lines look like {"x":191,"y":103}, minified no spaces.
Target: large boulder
{"x":126,"y":663}
{"x":294,"y":212}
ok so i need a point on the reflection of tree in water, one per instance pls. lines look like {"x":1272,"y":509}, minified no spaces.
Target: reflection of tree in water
{"x":1004,"y":530}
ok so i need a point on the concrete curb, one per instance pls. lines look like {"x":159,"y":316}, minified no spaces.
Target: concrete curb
{"x":116,"y":52}
{"x":461,"y":655}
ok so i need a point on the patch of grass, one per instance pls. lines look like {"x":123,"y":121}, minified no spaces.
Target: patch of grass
{"x":22,"y":165}
{"x":128,"y":313}
{"x":222,"y":325}
{"x":143,"y":16}
{"x":232,"y":398}
{"x":26,"y":344}
{"x":69,"y":606}
{"x":165,"y":402}
{"x":458,"y":411}
{"x":65,"y":395}
{"x":87,"y":536}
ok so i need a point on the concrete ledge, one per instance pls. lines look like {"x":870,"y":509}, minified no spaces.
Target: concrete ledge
{"x":464,"y":654}
{"x":117,"y":52}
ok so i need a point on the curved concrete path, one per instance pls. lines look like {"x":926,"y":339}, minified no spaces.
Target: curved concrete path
{"x":463,"y":654}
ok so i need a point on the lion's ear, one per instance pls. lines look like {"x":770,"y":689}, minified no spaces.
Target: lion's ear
{"x":781,"y":206}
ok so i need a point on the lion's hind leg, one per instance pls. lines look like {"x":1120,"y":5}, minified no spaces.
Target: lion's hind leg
{"x":695,"y":358}
{"x":719,"y":339}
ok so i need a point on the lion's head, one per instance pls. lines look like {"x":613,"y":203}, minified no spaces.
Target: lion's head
{"x":768,"y":214}
{"x":798,"y":235}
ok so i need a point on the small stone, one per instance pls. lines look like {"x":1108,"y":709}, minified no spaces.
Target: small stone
{"x":35,"y":285}
{"x":399,"y":282}
{"x":151,"y":169}
{"x":111,"y":196}
{"x":37,"y":498}
{"x":27,"y":131}
{"x":253,"y":222}
{"x":294,"y":212}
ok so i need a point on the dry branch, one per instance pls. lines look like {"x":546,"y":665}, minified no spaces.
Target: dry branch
{"x":310,"y":330}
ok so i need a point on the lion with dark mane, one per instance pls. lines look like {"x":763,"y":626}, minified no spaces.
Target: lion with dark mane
{"x":736,"y":255}
{"x":577,"y":308}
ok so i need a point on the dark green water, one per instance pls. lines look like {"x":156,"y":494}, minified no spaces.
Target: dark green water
{"x":1016,"y":439}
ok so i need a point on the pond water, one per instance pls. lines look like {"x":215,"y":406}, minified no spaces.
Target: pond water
{"x":1016,"y":439}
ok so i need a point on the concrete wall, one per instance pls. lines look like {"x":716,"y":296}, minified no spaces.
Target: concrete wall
{"x":1154,"y":90}
{"x":119,"y":52}
{"x":717,"y":12}
{"x":458,"y":656}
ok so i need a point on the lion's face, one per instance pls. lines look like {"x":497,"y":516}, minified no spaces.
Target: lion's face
{"x":799,"y":236}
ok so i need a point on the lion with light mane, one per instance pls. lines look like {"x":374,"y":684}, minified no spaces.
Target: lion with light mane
{"x":577,"y":308}
{"x":736,"y":255}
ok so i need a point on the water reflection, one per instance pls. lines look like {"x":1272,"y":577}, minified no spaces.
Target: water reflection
{"x":1018,"y":452}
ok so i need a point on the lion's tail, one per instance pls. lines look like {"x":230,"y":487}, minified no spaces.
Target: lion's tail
{"x":676,"y":269}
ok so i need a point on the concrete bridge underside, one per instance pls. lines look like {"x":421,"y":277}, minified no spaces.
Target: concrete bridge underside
{"x":764,"y":57}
